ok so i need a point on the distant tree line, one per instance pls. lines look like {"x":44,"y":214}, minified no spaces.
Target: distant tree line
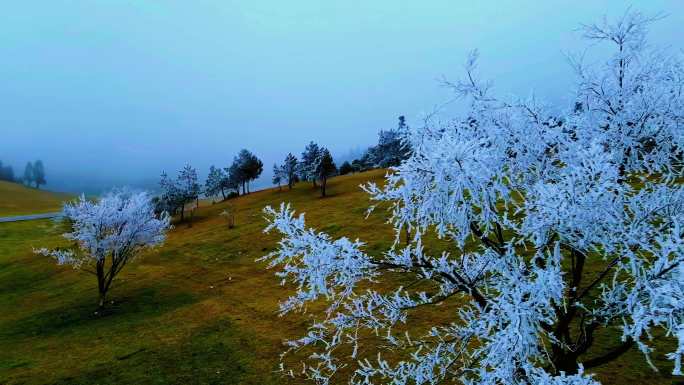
{"x":177,"y":192}
{"x":389,"y":152}
{"x":34,"y":174}
{"x":226,"y":182}
{"x":315,"y":165}
{"x":7,"y":173}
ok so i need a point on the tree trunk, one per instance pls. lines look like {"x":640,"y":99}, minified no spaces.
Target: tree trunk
{"x":182,"y":209}
{"x":566,"y":363}
{"x":324,"y":181}
{"x":223,"y":193}
{"x":101,"y":287}
{"x":101,"y":301}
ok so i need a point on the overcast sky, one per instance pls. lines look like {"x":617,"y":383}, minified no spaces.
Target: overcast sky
{"x":117,"y":91}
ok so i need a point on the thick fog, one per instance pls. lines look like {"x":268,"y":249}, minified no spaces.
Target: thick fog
{"x":113,"y":92}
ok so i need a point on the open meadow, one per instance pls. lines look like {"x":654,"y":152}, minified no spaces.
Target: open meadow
{"x":198,"y":310}
{"x":16,"y":199}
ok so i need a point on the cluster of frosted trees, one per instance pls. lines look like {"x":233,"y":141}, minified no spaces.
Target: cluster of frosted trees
{"x":316,"y":165}
{"x":177,"y":192}
{"x":525,"y":197}
{"x":390,"y":151}
{"x":245,"y":168}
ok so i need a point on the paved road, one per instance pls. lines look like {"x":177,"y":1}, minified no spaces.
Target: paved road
{"x":29,"y":217}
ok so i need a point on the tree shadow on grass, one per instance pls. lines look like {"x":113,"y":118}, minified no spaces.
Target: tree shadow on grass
{"x":127,"y":310}
{"x":215,"y":354}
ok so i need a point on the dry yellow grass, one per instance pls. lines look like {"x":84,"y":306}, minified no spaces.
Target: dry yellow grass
{"x":16,"y":199}
{"x":199,"y":310}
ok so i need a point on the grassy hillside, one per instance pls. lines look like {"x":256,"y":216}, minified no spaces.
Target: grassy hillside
{"x":199,"y":310}
{"x":17,"y":199}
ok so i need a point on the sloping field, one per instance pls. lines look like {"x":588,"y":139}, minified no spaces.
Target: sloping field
{"x":199,"y":310}
{"x":17,"y":199}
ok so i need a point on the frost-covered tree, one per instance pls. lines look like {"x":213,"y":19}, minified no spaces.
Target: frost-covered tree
{"x":171,"y":198}
{"x":364,"y":163}
{"x":181,"y":191}
{"x":108,"y":234}
{"x":325,"y":168}
{"x":558,"y":230}
{"x":390,"y":150}
{"x":309,"y":163}
{"x":188,"y":186}
{"x":215,"y":183}
{"x":289,"y":170}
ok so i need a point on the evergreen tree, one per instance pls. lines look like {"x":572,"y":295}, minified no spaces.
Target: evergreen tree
{"x":309,"y":163}
{"x":346,"y":168}
{"x":187,"y":182}
{"x":235,"y":176}
{"x":38,"y":173}
{"x":254,"y":169}
{"x":239,"y":168}
{"x":325,"y":168}
{"x":9,"y":174}
{"x":171,"y":199}
{"x":365,"y":162}
{"x":246,"y":167}
{"x":232,"y":181}
{"x":215,"y":183}
{"x":290,"y":170}
{"x":6,"y":173}
{"x":390,"y":150}
{"x":28,"y":174}
{"x":277,"y":175}
{"x":177,"y":193}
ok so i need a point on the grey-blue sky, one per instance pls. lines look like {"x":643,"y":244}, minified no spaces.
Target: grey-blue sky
{"x":116,"y":91}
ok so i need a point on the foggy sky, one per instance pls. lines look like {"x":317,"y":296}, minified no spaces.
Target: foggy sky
{"x":114,"y":92}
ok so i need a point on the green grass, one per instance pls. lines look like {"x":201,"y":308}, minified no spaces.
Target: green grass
{"x":198,"y":310}
{"x":17,"y":199}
